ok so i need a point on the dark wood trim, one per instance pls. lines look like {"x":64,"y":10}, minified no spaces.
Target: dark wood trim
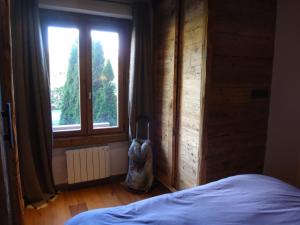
{"x":15,"y":203}
{"x":83,"y":40}
{"x":124,"y":44}
{"x":165,"y":188}
{"x":203,"y":141}
{"x":70,"y":22}
{"x":77,"y":141}
{"x":176,"y":89}
{"x":165,"y":185}
{"x":85,"y":23}
{"x":70,"y":19}
{"x":89,"y":103}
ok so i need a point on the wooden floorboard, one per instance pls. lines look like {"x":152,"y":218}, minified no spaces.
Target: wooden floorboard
{"x":73,"y":202}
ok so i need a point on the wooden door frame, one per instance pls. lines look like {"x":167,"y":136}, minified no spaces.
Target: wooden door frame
{"x":6,"y":78}
{"x":176,"y":89}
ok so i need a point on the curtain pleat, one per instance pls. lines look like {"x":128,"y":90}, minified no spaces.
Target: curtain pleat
{"x":33,"y":110}
{"x":140,"y":101}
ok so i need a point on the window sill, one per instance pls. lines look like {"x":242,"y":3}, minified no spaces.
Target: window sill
{"x":77,"y":127}
{"x":79,"y":141}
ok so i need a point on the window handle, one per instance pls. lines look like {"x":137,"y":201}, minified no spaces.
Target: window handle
{"x":90,"y":95}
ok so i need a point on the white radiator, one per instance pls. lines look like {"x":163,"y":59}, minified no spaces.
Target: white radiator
{"x":88,"y":164}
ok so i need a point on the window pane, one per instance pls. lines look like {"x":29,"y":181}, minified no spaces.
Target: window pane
{"x":63,"y":45}
{"x":105,"y":50}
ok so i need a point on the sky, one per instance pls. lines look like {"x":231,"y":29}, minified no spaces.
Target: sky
{"x":60,"y":41}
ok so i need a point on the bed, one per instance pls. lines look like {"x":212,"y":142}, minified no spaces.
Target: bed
{"x":237,"y":200}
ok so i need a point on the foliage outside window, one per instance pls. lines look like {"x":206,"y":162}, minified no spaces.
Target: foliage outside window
{"x":85,"y":77}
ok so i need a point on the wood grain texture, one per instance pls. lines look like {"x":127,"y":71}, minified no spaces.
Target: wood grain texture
{"x":180,"y":38}
{"x":190,"y":111}
{"x":232,"y":55}
{"x":65,"y":142}
{"x":7,"y":93}
{"x":78,"y":208}
{"x":241,"y":40}
{"x":165,"y":42}
{"x":103,"y":196}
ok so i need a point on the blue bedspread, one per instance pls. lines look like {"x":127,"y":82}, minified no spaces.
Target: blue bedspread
{"x":238,"y":200}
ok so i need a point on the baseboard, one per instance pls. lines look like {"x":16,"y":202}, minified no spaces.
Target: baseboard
{"x":161,"y":186}
{"x":68,"y":187}
{"x":167,"y":187}
{"x":112,"y":179}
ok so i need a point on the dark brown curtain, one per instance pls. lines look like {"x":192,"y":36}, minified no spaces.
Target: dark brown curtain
{"x":140,"y":76}
{"x":33,"y":114}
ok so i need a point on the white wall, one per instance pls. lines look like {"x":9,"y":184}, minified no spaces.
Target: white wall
{"x":118,"y":162}
{"x":283,"y":143}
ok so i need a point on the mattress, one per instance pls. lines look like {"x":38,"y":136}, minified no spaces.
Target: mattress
{"x":237,"y":200}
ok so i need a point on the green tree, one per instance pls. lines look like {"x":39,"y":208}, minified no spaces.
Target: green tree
{"x":105,"y":99}
{"x":108,"y":72}
{"x":104,"y":90}
{"x":97,"y":64}
{"x":57,"y":98}
{"x":70,"y":110}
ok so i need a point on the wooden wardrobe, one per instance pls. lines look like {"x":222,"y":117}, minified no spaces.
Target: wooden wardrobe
{"x":213,"y":69}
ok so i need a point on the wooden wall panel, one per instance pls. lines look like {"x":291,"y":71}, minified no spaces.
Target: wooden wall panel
{"x":190,"y":87}
{"x":180,"y":50}
{"x":241,"y":36}
{"x":232,"y":56}
{"x":165,"y":22}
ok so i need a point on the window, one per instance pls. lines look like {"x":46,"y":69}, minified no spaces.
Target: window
{"x":63,"y":46}
{"x":105,"y":78}
{"x":87,"y":56}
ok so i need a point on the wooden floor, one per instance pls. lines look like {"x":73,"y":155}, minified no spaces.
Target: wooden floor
{"x":72,"y":202}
